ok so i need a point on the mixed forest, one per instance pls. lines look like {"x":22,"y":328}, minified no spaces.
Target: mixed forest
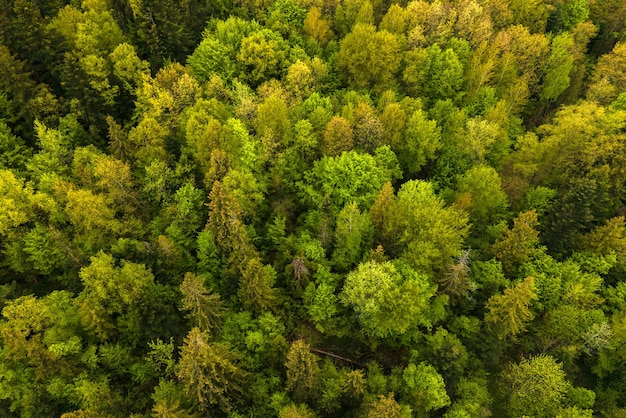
{"x":313,"y":208}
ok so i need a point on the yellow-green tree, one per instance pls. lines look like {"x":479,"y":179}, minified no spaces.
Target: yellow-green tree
{"x":210,"y":371}
{"x":510,"y":312}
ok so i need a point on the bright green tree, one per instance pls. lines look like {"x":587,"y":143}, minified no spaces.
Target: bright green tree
{"x":387,"y":300}
{"x":535,"y":387}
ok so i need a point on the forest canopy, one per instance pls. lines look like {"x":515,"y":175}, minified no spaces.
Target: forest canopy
{"x":313,"y":208}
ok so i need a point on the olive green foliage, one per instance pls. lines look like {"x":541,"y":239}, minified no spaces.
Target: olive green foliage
{"x":307,"y":208}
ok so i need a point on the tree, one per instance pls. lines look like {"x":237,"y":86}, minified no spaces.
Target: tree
{"x":532,"y":14}
{"x":303,"y":371}
{"x":488,"y":201}
{"x":92,"y":217}
{"x":393,"y":119}
{"x":479,"y":138}
{"x":509,"y":312}
{"x":226,"y":223}
{"x":395,"y":20}
{"x":434,"y":73}
{"x":293,"y":411}
{"x":205,"y":308}
{"x":54,"y":158}
{"x":262,"y":55}
{"x":535,"y":386}
{"x":368,"y":130}
{"x":317,"y":27}
{"x":338,"y":136}
{"x":349,"y":13}
{"x":474,"y":23}
{"x":272,"y":124}
{"x":424,"y":389}
{"x":212,"y":57}
{"x":18,"y":200}
{"x":386,"y":407}
{"x":255,"y":285}
{"x":559,"y":66}
{"x":210,"y":371}
{"x":572,"y":12}
{"x":417,"y":226}
{"x":387,"y":300}
{"x":353,"y":236}
{"x":349,"y":177}
{"x":110,"y":292}
{"x":369,"y":59}
{"x":608,"y":76}
{"x":422,"y":139}
{"x":519,"y":242}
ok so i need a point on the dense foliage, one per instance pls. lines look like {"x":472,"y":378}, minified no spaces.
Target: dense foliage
{"x":313,"y":208}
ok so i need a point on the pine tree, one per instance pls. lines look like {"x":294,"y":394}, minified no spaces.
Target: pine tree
{"x":510,"y":312}
{"x":210,"y":371}
{"x":205,"y":308}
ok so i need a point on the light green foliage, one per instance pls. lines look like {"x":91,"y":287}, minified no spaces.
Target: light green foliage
{"x":187,"y":217}
{"x":285,"y":16}
{"x":509,"y":313}
{"x":387,"y":407}
{"x":212,"y":57}
{"x":262,"y":55}
{"x":53,"y":159}
{"x":417,"y":225}
{"x":574,"y":412}
{"x":608,"y":77}
{"x":158,"y":181}
{"x":535,"y":386}
{"x":18,"y":200}
{"x":110,"y":290}
{"x":369,"y":59}
{"x":247,"y":190}
{"x":272,"y":123}
{"x":387,"y":300}
{"x":560,"y":65}
{"x":473,"y":397}
{"x":394,"y":20}
{"x":424,"y":389}
{"x":147,"y":141}
{"x":488,"y":201}
{"x":43,"y":250}
{"x":434,"y":73}
{"x":519,"y":242}
{"x":293,"y":411}
{"x":353,"y":233}
{"x":89,"y":212}
{"x":25,"y":320}
{"x":323,"y":304}
{"x":128,"y":67}
{"x":480,"y":137}
{"x":349,"y":177}
{"x":422,"y":139}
